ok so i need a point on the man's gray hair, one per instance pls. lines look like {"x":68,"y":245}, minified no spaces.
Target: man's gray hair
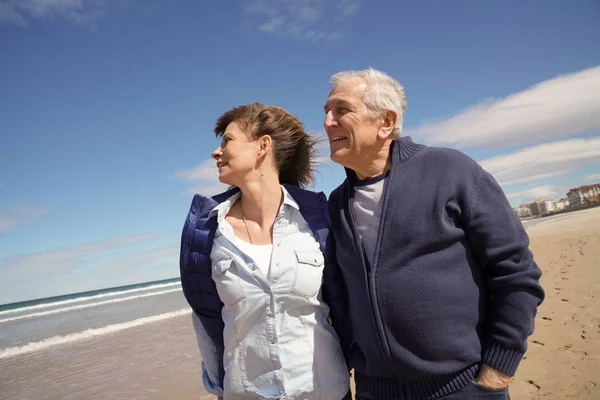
{"x":381,"y":94}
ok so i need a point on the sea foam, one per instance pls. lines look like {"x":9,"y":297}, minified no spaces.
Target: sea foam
{"x":86,"y":334}
{"x":84,"y":306}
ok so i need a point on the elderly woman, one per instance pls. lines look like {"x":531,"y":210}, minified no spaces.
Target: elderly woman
{"x":252,"y":264}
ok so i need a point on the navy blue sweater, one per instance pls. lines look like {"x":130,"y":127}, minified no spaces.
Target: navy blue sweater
{"x":453,"y":282}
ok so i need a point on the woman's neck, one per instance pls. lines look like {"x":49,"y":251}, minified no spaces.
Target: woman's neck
{"x":261,"y":200}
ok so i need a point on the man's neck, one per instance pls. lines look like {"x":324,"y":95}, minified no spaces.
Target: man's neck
{"x":376,"y":165}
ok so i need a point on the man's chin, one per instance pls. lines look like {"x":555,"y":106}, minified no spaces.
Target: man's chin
{"x":339,"y":157}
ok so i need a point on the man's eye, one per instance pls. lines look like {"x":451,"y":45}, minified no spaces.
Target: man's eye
{"x":343,"y":110}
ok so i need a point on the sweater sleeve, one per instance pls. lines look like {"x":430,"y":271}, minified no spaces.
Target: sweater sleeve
{"x":499,"y":241}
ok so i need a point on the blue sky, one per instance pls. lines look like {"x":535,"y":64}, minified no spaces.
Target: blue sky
{"x":107,"y":109}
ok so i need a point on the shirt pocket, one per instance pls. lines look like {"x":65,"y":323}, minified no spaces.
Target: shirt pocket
{"x":229,"y":286}
{"x":309,"y":272}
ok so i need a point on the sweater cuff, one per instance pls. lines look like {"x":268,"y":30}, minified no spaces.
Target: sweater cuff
{"x":502,"y":358}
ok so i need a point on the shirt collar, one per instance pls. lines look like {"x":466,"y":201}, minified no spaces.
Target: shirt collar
{"x":222,"y":209}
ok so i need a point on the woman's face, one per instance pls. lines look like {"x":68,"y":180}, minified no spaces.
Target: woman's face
{"x":236,"y":156}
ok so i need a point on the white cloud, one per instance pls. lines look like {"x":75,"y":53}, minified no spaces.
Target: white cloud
{"x":78,"y":12}
{"x":18,"y":214}
{"x":543,"y":161}
{"x":9,"y":14}
{"x":536,"y":193}
{"x":204,"y":178}
{"x":49,"y":262}
{"x":88,"y":266}
{"x":347,"y":8}
{"x":565,"y":105}
{"x":595,"y":177}
{"x":302,"y":19}
{"x":272,"y":25}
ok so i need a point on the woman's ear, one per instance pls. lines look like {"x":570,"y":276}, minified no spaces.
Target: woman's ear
{"x":265,"y":144}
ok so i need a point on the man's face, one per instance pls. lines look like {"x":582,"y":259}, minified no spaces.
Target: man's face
{"x":350,"y":128}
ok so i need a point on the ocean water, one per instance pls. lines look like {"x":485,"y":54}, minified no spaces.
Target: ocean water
{"x":120,"y":343}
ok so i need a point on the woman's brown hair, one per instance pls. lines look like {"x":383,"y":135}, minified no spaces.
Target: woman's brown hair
{"x":294,"y":148}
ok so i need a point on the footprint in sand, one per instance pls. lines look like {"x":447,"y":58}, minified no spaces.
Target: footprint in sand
{"x":538,"y":387}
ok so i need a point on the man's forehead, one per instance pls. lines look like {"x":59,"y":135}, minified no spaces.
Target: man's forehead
{"x":348,"y":89}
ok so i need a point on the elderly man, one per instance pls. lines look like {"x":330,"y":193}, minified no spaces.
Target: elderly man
{"x":442,"y":290}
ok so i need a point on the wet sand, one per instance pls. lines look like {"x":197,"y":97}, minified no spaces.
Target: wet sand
{"x":157,"y":361}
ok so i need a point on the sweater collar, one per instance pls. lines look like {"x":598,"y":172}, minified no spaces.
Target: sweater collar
{"x":401,"y":149}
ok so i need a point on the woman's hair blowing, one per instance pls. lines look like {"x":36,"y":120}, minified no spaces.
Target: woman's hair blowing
{"x":294,"y":148}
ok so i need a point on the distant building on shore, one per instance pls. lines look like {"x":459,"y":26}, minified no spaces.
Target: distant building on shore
{"x":542,"y":207}
{"x":561,"y":204}
{"x":584,"y":194}
{"x":523,"y":211}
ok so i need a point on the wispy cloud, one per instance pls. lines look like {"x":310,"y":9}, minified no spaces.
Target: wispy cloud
{"x":79,"y":12}
{"x":536,"y":193}
{"x":18,"y":214}
{"x":204,"y":178}
{"x":595,"y":177}
{"x":54,"y":260}
{"x":87,"y":266}
{"x":543,"y":161}
{"x":562,"y":106}
{"x":312,"y":20}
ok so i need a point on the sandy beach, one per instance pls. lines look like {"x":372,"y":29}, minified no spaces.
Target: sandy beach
{"x":563,"y":359}
{"x":564,"y":352}
{"x":161,"y":361}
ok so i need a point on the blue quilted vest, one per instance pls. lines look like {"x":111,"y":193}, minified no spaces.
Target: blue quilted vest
{"x":195,"y":265}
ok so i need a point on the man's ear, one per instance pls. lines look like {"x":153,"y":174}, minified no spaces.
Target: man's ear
{"x":387,"y":122}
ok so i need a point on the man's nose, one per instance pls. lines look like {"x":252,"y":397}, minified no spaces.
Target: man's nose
{"x":329,"y":120}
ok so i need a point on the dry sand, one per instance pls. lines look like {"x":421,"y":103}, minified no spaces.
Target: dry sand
{"x":563,"y":360}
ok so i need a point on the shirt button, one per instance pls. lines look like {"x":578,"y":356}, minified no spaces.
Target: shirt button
{"x":278,"y":244}
{"x":270,"y":315}
{"x":277,"y":367}
{"x":253,"y":268}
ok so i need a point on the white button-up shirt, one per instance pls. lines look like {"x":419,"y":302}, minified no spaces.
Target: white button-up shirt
{"x":278,"y":341}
